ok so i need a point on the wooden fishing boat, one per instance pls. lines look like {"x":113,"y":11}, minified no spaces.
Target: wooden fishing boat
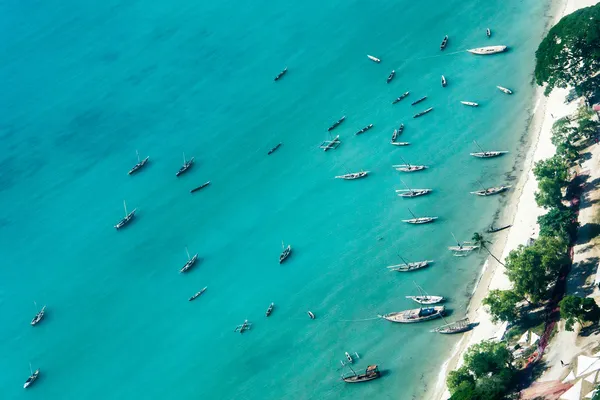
{"x":186,"y":165}
{"x":488,"y":32}
{"x":419,"y":220}
{"x":406,"y":167}
{"x":490,"y":191}
{"x":243,"y":327}
{"x":423,"y":112}
{"x":492,"y":229}
{"x":410,"y":193}
{"x":462,"y":247}
{"x":311,"y":314}
{"x":331,"y":144}
{"x":409,"y":266}
{"x":444,"y":82}
{"x":205,"y":184}
{"x":372,"y":58}
{"x":391,"y":76}
{"x":460,"y":326}
{"x":190,"y":262}
{"x":486,"y":154}
{"x":371,"y":373}
{"x":274,"y":149}
{"x":285,"y":253}
{"x":398,"y":99}
{"x":336,"y":123}
{"x":487,"y":50}
{"x":198,"y":294}
{"x":418,"y":100}
{"x":424,"y":298}
{"x":270,"y":309}
{"x":470,"y":103}
{"x":32,"y":378}
{"x":400,"y":143}
{"x":353,"y":175}
{"x":505,"y":90}
{"x":127,"y":218}
{"x":444,"y":43}
{"x":363,"y":130}
{"x":140,"y":164}
{"x":416,"y":315}
{"x":279,"y":75}
{"x":38,"y":316}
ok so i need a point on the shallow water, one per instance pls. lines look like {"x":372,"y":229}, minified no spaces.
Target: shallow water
{"x":88,"y":84}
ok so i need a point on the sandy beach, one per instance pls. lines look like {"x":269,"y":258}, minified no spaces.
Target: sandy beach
{"x":521,"y":211}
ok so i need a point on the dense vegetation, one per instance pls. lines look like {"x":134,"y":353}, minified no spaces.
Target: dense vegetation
{"x":569,"y":55}
{"x":578,"y":309}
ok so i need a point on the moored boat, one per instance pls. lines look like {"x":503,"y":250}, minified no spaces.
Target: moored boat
{"x":462,"y":247}
{"x":410,"y":193}
{"x":493,"y":229}
{"x":205,"y":184}
{"x":336,"y":123}
{"x":426,"y":299}
{"x":243,"y":327}
{"x":391,"y":76}
{"x":311,"y":314}
{"x":274,"y":149}
{"x":372,"y":58}
{"x":460,"y":326}
{"x":418,"y":100}
{"x":488,"y":32}
{"x":505,"y":90}
{"x":417,"y":115}
{"x":285,"y":253}
{"x":270,"y":309}
{"x":140,"y":164}
{"x":444,"y":82}
{"x":444,"y":43}
{"x":487,"y":50}
{"x":186,"y":165}
{"x":400,"y":143}
{"x":331,"y":144}
{"x":198,"y":294}
{"x":127,"y":218}
{"x":363,"y":130}
{"x":416,"y":315}
{"x":353,"y":175}
{"x":490,"y":191}
{"x":39,"y":316}
{"x":32,"y":378}
{"x":470,"y":103}
{"x":371,"y":373}
{"x":279,"y":75}
{"x":409,"y":266}
{"x":401,"y":97}
{"x":190,"y":262}
{"x":406,"y":167}
{"x":486,"y":154}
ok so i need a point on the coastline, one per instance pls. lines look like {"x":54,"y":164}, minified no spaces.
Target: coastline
{"x":520,"y":210}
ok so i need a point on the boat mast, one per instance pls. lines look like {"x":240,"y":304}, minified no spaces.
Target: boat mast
{"x":477,"y":144}
{"x":184,"y":158}
{"x":188,"y":253}
{"x":30,"y":369}
{"x":409,"y":189}
{"x":138,"y":156}
{"x":411,"y":213}
{"x":403,"y":160}
{"x":403,"y":259}
{"x":282,"y":245}
{"x":485,"y":190}
{"x":125,"y":207}
{"x":456,"y":240}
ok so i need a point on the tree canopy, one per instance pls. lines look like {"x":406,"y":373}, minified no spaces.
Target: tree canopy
{"x":552,"y":175}
{"x":503,"y":305}
{"x":578,"y":309}
{"x":570,"y":53}
{"x":481,"y":241}
{"x":560,"y":222}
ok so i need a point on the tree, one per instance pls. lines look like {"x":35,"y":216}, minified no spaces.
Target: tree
{"x":559,"y":221}
{"x":479,"y":240}
{"x":552,"y":175}
{"x":570,"y":52}
{"x":564,"y":135}
{"x":487,"y":373}
{"x":503,"y":305}
{"x":577,"y":309}
{"x":532,"y":269}
{"x":586,"y":126}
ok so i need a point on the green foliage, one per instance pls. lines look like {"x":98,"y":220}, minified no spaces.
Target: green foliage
{"x":597,"y":395}
{"x":564,"y":135}
{"x":503,"y":305}
{"x":487,"y":373}
{"x":552,"y":175}
{"x":578,"y":309}
{"x":570,"y":52}
{"x":558,"y":222}
{"x":532,"y":269}
{"x":481,"y":241}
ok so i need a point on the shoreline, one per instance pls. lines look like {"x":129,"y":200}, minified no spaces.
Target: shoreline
{"x":520,"y":209}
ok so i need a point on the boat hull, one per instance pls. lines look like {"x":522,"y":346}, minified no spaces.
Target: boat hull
{"x":414,"y":316}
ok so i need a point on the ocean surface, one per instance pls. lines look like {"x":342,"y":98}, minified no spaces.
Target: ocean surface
{"x":85,"y":85}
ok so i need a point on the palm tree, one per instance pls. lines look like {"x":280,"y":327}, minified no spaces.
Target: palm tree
{"x":481,"y":241}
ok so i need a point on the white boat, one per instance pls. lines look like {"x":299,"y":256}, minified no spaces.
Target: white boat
{"x":139,"y":164}
{"x":490,"y":191}
{"x":505,"y":90}
{"x":462,"y":247}
{"x":353,"y":175}
{"x":331,"y":144}
{"x":406,"y":167}
{"x":470,"y":103}
{"x":243,"y":327}
{"x":38,"y":316}
{"x":377,"y":60}
{"x":444,"y":82}
{"x":285,"y":252}
{"x":488,"y":32}
{"x":420,"y":114}
{"x":410,"y":193}
{"x":483,"y":51}
{"x":424,"y":297}
{"x":127,"y":218}
{"x":459,"y":326}
{"x":419,"y":220}
{"x":416,"y":315}
{"x":32,"y":378}
{"x":409,"y":266}
{"x":190,"y":262}
{"x":486,"y":154}
{"x":400,"y":143}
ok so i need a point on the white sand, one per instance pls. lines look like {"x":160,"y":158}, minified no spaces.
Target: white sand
{"x":546,"y":111}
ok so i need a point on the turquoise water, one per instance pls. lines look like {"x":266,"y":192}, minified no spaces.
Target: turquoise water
{"x":85,"y":85}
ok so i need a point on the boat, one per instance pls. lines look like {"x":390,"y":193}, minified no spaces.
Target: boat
{"x":285,"y":253}
{"x":186,"y":165}
{"x":278,"y":145}
{"x":444,"y":82}
{"x":311,"y":315}
{"x":279,"y":75}
{"x":270,"y":309}
{"x":470,"y":103}
{"x":377,"y":60}
{"x":488,"y":32}
{"x":418,"y":101}
{"x":190,"y":262}
{"x":425,"y":298}
{"x":197,"y":294}
{"x":460,"y":326}
{"x":444,"y":43}
{"x":32,"y":378}
{"x":139,"y":164}
{"x":489,"y":191}
{"x":416,"y":315}
{"x":363,"y":130}
{"x":127,"y":218}
{"x":410,"y":193}
{"x":331,"y":144}
{"x":336,"y":124}
{"x":391,"y":76}
{"x":353,"y":175}
{"x":394,"y":135}
{"x":400,"y":143}
{"x":39,"y":316}
{"x":417,"y":115}
{"x":492,"y":229}
{"x":371,"y":373}
{"x":487,"y":50}
{"x":419,"y":220}
{"x":406,"y":167}
{"x":505,"y":90}
{"x":243,"y":327}
{"x":462,"y":247}
{"x":486,"y":154}
{"x":400,"y":129}
{"x":205,"y":184}
{"x":398,"y":99}
{"x":409,"y":266}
